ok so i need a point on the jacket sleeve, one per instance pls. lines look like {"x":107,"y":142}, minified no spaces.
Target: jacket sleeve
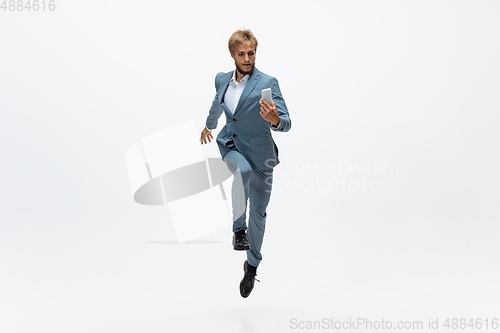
{"x":216,"y":109}
{"x":285,"y":122}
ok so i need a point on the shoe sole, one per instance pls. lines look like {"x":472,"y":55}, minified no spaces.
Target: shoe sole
{"x":244,"y":296}
{"x":241,"y":283}
{"x":244,"y":248}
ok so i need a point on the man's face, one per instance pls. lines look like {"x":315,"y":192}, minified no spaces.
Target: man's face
{"x":244,"y":58}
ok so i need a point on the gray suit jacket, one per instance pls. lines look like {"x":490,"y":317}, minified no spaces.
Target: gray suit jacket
{"x":250,"y":132}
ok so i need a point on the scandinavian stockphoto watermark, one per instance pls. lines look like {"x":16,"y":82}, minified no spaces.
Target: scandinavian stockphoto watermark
{"x":328,"y":176}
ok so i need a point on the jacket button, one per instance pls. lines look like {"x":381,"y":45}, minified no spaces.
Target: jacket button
{"x":234,"y":135}
{"x":234,"y":119}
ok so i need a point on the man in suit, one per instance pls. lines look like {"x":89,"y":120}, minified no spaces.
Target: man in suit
{"x":246,"y":145}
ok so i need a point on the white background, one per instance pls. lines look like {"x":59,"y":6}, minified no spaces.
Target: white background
{"x":408,"y":84}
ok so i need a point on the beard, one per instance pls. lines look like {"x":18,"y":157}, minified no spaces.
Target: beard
{"x":242,"y":72}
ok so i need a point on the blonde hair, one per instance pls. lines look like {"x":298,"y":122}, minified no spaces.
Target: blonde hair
{"x":240,"y":37}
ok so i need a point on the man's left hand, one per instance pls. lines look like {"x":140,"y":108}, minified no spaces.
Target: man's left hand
{"x":269,"y":113}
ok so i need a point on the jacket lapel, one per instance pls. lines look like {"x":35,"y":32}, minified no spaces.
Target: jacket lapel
{"x":249,"y":86}
{"x":222,"y":90}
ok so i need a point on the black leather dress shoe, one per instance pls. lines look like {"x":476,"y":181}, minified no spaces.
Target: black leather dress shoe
{"x":240,"y":241}
{"x":246,"y":285}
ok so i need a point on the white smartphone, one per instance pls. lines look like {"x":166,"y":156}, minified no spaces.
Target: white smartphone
{"x":266,"y":95}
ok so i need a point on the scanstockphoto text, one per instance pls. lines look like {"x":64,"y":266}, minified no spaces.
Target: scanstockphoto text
{"x":450,"y":323}
{"x":327,"y":176}
{"x":354,"y":324}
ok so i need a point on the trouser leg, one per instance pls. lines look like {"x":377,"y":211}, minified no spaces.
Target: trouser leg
{"x":242,"y":171}
{"x":259,"y":193}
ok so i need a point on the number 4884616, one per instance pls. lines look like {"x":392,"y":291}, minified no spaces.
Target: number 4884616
{"x":29,"y":5}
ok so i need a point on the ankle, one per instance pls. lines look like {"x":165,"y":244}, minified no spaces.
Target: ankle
{"x":251,"y":269}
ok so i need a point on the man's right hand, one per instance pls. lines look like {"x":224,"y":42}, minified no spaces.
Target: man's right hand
{"x":206,"y":134}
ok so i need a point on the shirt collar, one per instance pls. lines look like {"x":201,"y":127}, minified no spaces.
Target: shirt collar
{"x":243,"y":79}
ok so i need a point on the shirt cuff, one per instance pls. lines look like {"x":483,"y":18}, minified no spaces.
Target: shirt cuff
{"x":276,"y":128}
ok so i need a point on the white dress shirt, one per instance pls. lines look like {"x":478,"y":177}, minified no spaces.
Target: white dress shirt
{"x":233,"y":92}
